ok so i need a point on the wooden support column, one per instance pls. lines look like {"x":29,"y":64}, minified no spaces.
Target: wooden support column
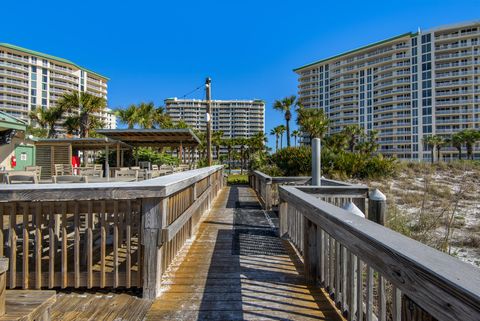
{"x":180,"y":153}
{"x":122,"y":158}
{"x":154,"y":212}
{"x":107,"y":167}
{"x":118,"y":155}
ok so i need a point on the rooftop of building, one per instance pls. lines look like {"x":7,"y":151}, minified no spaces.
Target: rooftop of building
{"x":216,"y":100}
{"x":47,"y":56}
{"x":410,"y":34}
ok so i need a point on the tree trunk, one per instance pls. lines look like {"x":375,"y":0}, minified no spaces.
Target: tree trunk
{"x":276,"y":143}
{"x":459,"y":153}
{"x":438,"y":154}
{"x":433,"y":153}
{"x":288,"y":132}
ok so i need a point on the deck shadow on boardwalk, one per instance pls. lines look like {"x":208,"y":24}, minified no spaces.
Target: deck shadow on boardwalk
{"x":237,"y":268}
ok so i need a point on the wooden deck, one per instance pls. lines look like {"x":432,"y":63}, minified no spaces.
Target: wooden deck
{"x":238,"y":269}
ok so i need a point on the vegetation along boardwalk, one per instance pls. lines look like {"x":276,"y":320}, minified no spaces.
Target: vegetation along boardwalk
{"x":237,"y":268}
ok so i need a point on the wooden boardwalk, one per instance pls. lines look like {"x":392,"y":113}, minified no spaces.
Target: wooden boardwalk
{"x":238,"y":269}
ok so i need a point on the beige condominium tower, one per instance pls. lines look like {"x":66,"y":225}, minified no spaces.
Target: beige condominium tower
{"x":406,"y":87}
{"x":235,"y":118}
{"x":29,"y":79}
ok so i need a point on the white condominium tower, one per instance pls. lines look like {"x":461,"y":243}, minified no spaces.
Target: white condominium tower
{"x":406,"y":87}
{"x":236,"y":118}
{"x":29,"y":79}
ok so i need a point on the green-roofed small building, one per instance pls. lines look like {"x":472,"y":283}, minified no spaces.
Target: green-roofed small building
{"x":30,"y":78}
{"x":406,"y":87}
{"x":16,"y":150}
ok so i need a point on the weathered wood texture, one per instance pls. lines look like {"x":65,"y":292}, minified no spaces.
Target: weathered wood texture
{"x":109,"y":236}
{"x":237,"y":268}
{"x":27,"y":305}
{"x":95,"y":305}
{"x":364,"y":262}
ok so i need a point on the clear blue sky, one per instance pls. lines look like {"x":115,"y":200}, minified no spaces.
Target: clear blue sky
{"x":152,"y":50}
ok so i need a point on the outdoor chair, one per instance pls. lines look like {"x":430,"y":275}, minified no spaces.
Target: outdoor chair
{"x":22,"y":177}
{"x":63,"y":169}
{"x":66,"y":179}
{"x":129,"y":173}
{"x":36,"y":169}
{"x":92,"y":172}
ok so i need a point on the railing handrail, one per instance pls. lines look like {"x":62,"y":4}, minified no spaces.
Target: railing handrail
{"x":447,"y":288}
{"x":158,"y":187}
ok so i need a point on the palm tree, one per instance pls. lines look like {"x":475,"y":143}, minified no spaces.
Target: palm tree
{"x":242,"y":142}
{"x":274,"y":132}
{"x":295,"y":134}
{"x":229,"y":143}
{"x":128,"y":116}
{"x":312,"y":121}
{"x":86,"y":105}
{"x":217,"y":141}
{"x":470,"y":138}
{"x":285,"y":105}
{"x":353,"y":133}
{"x":431,"y":141}
{"x":47,"y":118}
{"x":257,"y":141}
{"x":440,"y":143}
{"x":457,"y":141}
{"x":281,"y":130}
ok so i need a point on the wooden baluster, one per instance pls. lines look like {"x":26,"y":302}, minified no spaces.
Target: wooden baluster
{"x":382,"y":299}
{"x":64,"y":245}
{"x":115,"y":243}
{"x":52,"y":246}
{"x":76,"y":243}
{"x":25,"y":236}
{"x":352,"y":287}
{"x":369,"y":302}
{"x":103,"y":241}
{"x":38,"y":246}
{"x":310,"y":252}
{"x":397,"y":304}
{"x":359,"y":289}
{"x":331,"y":268}
{"x":2,"y":236}
{"x":343,"y":282}
{"x":326,"y":272}
{"x":321,"y":258}
{"x":128,"y":261}
{"x":90,"y":245}
{"x":338,"y":273}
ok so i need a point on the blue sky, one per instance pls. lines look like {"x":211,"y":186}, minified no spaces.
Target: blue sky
{"x":152,"y":50}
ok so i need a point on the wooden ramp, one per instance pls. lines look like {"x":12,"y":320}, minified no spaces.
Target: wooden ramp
{"x":238,"y":269}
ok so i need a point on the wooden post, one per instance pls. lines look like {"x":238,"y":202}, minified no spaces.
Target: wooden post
{"x":122,"y":158}
{"x":283,"y":212}
{"x":268,"y":194}
{"x":155,"y":218}
{"x":377,"y":207}
{"x":180,"y":153}
{"x":107,"y":169}
{"x":3,"y":283}
{"x":310,"y":251}
{"x":118,"y":155}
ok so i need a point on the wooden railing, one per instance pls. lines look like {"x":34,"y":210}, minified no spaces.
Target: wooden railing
{"x":106,"y":235}
{"x":266,"y":186}
{"x":370,"y":271}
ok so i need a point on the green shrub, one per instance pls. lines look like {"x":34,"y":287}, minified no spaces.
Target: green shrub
{"x":294,"y":161}
{"x":237,"y":179}
{"x":156,"y":158}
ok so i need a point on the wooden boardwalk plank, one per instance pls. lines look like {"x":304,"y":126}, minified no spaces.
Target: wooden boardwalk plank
{"x":236,"y":268}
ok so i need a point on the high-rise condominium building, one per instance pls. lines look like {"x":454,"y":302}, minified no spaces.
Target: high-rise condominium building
{"x":406,"y":87}
{"x":29,"y":79}
{"x":236,"y":118}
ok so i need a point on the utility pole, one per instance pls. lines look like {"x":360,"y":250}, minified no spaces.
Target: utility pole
{"x":208,"y":118}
